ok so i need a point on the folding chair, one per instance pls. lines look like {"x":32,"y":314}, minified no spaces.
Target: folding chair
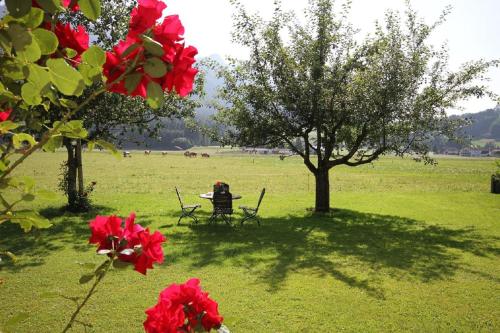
{"x":251,"y":213}
{"x":187,"y":210}
{"x":223,"y":207}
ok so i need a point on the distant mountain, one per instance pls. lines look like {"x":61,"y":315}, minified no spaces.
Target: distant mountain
{"x":212,"y":84}
{"x":485,"y":124}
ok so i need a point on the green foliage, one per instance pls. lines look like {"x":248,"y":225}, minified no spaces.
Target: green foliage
{"x":347,"y":101}
{"x":36,"y":85}
{"x":90,"y":8}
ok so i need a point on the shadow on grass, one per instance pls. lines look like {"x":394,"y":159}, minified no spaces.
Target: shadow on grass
{"x":353,"y":247}
{"x":68,"y":230}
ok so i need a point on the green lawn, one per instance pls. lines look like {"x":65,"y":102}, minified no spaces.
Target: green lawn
{"x":408,"y":247}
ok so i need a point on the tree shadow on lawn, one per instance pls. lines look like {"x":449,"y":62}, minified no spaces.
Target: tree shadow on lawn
{"x":344,"y":244}
{"x":68,"y":229}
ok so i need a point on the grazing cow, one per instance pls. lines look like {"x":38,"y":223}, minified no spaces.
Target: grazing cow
{"x":147,"y":152}
{"x":205,"y":155}
{"x":193,"y":154}
{"x":163,"y":153}
{"x":126,"y":154}
{"x":187,"y":153}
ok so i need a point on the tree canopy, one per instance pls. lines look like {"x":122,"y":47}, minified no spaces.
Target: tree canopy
{"x":335,"y":99}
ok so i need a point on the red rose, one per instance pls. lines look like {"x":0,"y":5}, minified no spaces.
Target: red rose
{"x":4,"y":115}
{"x":168,"y":34}
{"x":131,"y":243}
{"x":106,"y":231}
{"x":66,"y":3}
{"x":182,"y":75}
{"x":144,"y":16}
{"x":183,"y":308}
{"x":151,"y":250}
{"x":76,"y":39}
{"x":116,"y":64}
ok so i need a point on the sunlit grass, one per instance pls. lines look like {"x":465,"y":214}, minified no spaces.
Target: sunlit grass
{"x":408,"y":247}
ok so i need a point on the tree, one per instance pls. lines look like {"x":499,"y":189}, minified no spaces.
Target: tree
{"x":346,"y":102}
{"x":112,"y":117}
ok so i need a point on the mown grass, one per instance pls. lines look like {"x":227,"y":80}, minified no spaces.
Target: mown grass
{"x":408,"y":247}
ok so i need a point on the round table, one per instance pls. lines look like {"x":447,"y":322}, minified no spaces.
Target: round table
{"x":210,"y":196}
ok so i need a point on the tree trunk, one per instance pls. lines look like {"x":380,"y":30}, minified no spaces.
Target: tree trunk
{"x":322,"y":191}
{"x":72,"y":174}
{"x":78,"y":156}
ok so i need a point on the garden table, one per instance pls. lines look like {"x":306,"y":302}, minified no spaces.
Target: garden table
{"x":210,"y":196}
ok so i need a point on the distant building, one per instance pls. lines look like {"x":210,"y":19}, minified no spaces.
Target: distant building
{"x":451,"y":151}
{"x":470,"y":152}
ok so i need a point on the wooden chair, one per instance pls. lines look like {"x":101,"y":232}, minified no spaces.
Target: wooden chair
{"x":223,"y":206}
{"x":187,"y":210}
{"x":251,"y":213}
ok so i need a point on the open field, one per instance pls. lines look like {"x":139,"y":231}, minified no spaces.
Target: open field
{"x":408,"y":247}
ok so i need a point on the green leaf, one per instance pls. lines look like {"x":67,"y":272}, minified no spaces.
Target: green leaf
{"x":29,"y":219}
{"x":34,"y":18}
{"x":47,"y":40}
{"x":3,"y":167}
{"x":85,"y":278}
{"x":18,"y":8}
{"x":5,"y":42}
{"x":67,"y":79}
{"x":12,"y":70}
{"x":153,"y":46}
{"x":31,"y":94}
{"x":132,"y":81}
{"x":90,"y":8}
{"x":70,"y":53}
{"x":7,"y":125}
{"x":18,"y":140}
{"x":24,"y":43}
{"x":130,"y":49}
{"x":94,"y":56}
{"x":108,"y":146}
{"x":155,"y":97}
{"x":155,"y":67}
{"x":73,"y":129}
{"x":53,"y":143}
{"x":52,"y":6}
{"x":20,"y":36}
{"x":90,"y":145}
{"x":90,"y":74}
{"x":37,"y":75}
{"x":67,"y":103}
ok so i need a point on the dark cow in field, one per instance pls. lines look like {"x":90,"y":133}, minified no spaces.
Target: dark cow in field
{"x":163,"y":153}
{"x":147,"y":152}
{"x":126,"y":154}
{"x":205,"y":155}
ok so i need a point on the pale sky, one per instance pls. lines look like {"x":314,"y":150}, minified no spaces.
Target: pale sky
{"x":472,"y":30}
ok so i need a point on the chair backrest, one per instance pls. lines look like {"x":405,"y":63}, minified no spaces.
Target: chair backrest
{"x":223,"y":202}
{"x":222,"y":187}
{"x":179,"y":197}
{"x":260,"y":198}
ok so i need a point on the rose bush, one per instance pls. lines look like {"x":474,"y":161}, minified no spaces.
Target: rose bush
{"x":45,"y":65}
